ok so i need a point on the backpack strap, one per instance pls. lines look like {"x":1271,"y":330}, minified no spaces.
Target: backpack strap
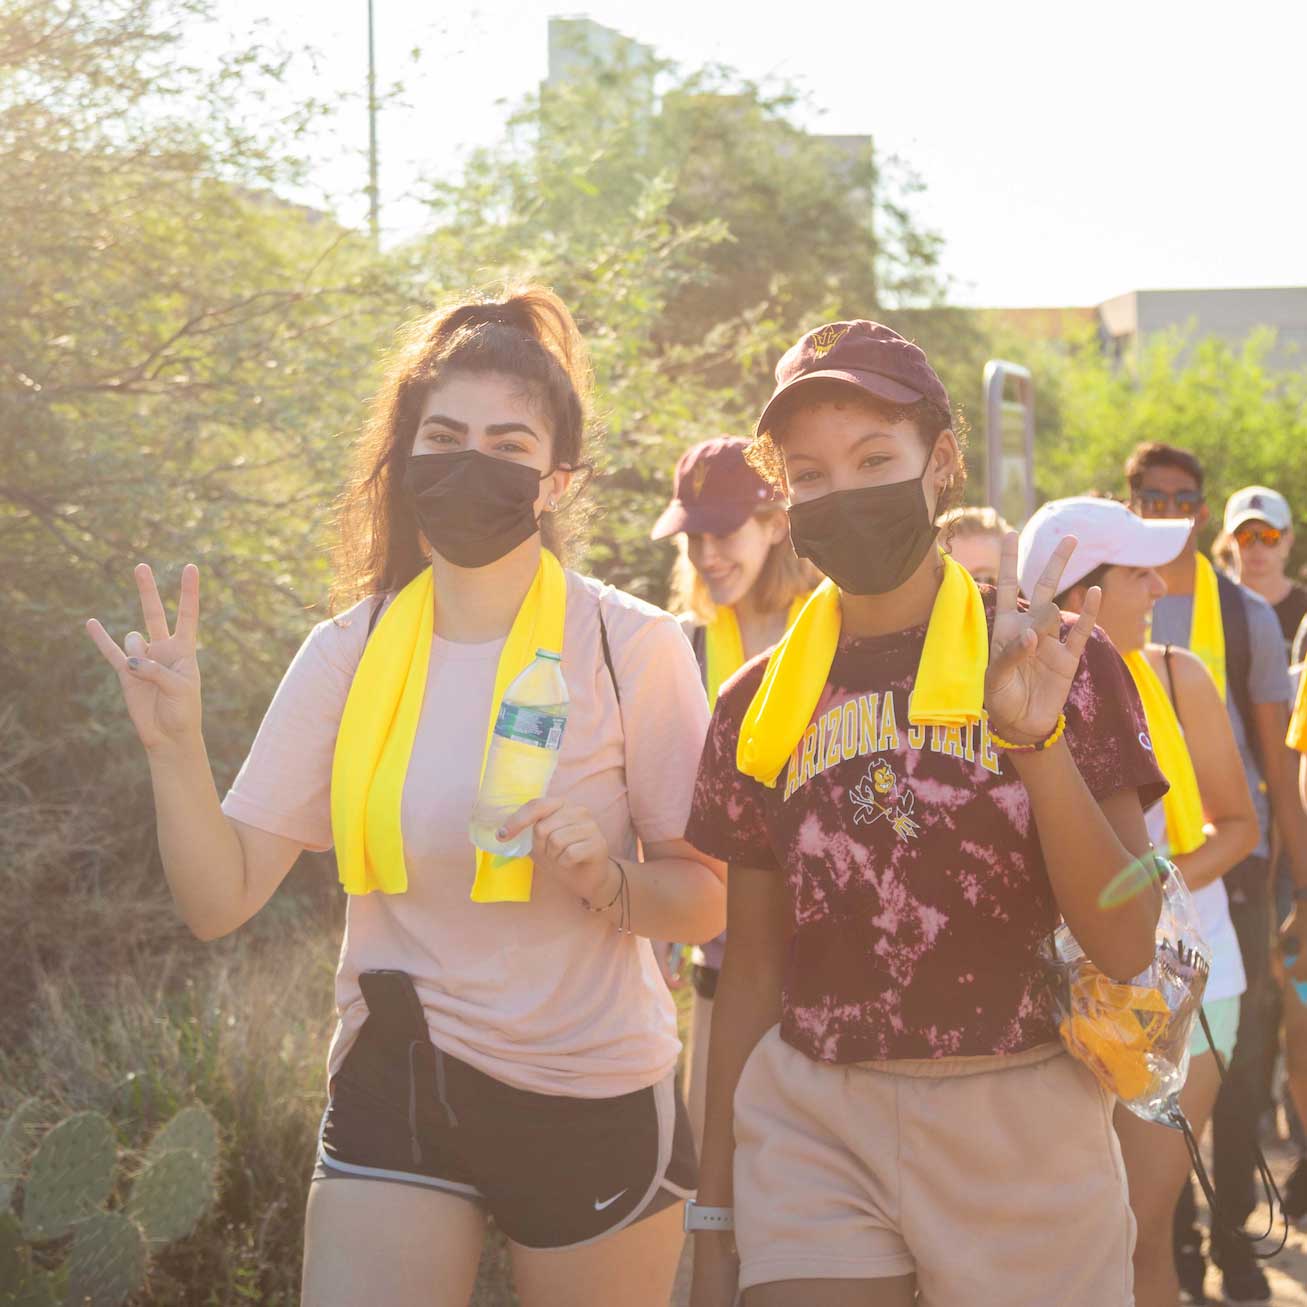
{"x":1170,"y":678}
{"x":699,"y":643}
{"x":376,"y":613}
{"x":1238,"y":656}
{"x":608,"y":657}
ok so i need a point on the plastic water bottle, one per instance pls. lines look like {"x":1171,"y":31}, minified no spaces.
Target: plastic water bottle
{"x":523,"y":752}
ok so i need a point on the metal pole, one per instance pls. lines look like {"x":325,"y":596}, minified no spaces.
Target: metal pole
{"x":997,"y":372}
{"x":374,"y":207}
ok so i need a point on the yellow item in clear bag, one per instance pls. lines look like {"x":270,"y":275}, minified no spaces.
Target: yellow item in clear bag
{"x":1134,"y":1034}
{"x":1114,"y":1027}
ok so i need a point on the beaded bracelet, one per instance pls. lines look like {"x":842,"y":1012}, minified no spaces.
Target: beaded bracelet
{"x":621,"y":885}
{"x":623,"y":893}
{"x":1057,"y":734}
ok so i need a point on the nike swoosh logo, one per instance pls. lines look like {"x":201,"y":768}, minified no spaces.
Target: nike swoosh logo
{"x":599,"y":1207}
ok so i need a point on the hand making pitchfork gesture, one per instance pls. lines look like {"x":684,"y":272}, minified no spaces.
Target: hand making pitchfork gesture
{"x":1030,"y":667}
{"x":158,"y":672}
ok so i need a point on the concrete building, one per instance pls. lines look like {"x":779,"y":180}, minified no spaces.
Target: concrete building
{"x":578,"y":46}
{"x":1128,"y":320}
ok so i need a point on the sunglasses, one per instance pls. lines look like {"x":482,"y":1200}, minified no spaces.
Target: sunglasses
{"x":1157,"y":503}
{"x":1262,"y":535}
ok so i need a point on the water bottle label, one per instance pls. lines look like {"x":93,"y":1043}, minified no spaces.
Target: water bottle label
{"x":529,"y":726}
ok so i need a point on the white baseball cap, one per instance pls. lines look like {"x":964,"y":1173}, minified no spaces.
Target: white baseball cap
{"x":1257,"y":504}
{"x":1105,"y":532}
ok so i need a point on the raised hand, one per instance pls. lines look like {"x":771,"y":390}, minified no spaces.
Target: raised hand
{"x":158,"y":672}
{"x":1030,"y":668}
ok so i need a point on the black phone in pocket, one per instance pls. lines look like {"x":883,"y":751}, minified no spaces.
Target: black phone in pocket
{"x":393,"y":1003}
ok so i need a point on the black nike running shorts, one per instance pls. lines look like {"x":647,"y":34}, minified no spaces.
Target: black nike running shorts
{"x":554,"y":1172}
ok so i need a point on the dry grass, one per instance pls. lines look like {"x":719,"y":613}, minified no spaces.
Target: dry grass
{"x":108,"y":1003}
{"x":241,"y":1027}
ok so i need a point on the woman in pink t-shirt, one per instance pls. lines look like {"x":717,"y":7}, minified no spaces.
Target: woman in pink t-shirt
{"x":510,"y":1058}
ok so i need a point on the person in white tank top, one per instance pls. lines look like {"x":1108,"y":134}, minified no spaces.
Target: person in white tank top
{"x":1120,"y":553}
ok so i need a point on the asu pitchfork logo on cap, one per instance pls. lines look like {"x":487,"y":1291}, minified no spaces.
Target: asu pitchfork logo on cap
{"x":697,"y":478}
{"x":826,"y":339}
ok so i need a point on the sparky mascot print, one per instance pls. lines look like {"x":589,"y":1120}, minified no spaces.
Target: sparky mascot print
{"x":878,"y":794}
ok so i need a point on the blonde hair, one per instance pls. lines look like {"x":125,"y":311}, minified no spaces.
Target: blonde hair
{"x":1225,"y":554}
{"x":783,"y":578}
{"x":966,"y":523}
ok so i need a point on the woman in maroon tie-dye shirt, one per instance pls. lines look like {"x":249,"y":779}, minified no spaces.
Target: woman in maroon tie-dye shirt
{"x":907,"y":1127}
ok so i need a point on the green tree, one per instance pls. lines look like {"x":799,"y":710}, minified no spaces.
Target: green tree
{"x":182,"y":357}
{"x":695,"y":237}
{"x":1244,"y":418}
{"x":179,"y":349}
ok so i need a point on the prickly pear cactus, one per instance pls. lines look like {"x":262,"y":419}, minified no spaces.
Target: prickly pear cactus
{"x":171,"y":1195}
{"x":194,"y":1129}
{"x":16,"y":1147}
{"x":107,"y":1261}
{"x":71,"y":1175}
{"x":21,"y":1283}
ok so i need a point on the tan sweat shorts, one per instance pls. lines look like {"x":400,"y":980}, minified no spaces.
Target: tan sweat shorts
{"x":996,"y":1187}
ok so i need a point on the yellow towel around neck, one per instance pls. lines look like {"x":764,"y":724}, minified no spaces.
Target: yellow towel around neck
{"x":380,"y":722}
{"x":725,"y":647}
{"x":1183,"y":805}
{"x":949,"y":688}
{"x":1206,"y":632}
{"x":1297,"y":734}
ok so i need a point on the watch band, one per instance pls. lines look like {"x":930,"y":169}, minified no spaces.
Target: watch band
{"x":708,"y":1218}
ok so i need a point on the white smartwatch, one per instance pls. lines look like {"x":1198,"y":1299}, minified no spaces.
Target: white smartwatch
{"x":698,"y":1217}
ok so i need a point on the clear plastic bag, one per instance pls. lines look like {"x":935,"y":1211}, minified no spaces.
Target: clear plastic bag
{"x":1134,"y":1035}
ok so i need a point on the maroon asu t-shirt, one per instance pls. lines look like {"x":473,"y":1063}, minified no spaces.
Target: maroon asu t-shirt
{"x":916,"y":884}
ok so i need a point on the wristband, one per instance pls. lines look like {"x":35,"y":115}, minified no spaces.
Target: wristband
{"x":698,"y":1217}
{"x":1039,"y":745}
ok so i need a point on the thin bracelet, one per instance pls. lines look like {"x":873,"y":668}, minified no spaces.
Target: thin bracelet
{"x":1057,"y":734}
{"x":624,"y":924}
{"x":621,"y":885}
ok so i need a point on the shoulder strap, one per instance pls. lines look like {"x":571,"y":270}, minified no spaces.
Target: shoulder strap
{"x":608,"y":655}
{"x":699,"y":643}
{"x":1170,"y":677}
{"x":376,"y":613}
{"x":1238,"y":654}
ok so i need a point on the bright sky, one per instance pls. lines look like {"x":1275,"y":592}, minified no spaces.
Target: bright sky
{"x":1070,"y":153}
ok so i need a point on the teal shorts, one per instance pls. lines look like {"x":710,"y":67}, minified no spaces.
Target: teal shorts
{"x":1223,"y":1017}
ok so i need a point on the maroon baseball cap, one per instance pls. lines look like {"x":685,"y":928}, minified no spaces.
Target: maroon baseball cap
{"x":866,"y":355}
{"x":715,"y":491}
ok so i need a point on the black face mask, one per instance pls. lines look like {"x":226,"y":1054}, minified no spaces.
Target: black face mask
{"x":473,"y":508}
{"x":868,"y":541}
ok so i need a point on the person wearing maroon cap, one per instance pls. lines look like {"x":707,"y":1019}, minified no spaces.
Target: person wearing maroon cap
{"x":911,"y":789}
{"x":737,"y":578}
{"x":736,"y":584}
